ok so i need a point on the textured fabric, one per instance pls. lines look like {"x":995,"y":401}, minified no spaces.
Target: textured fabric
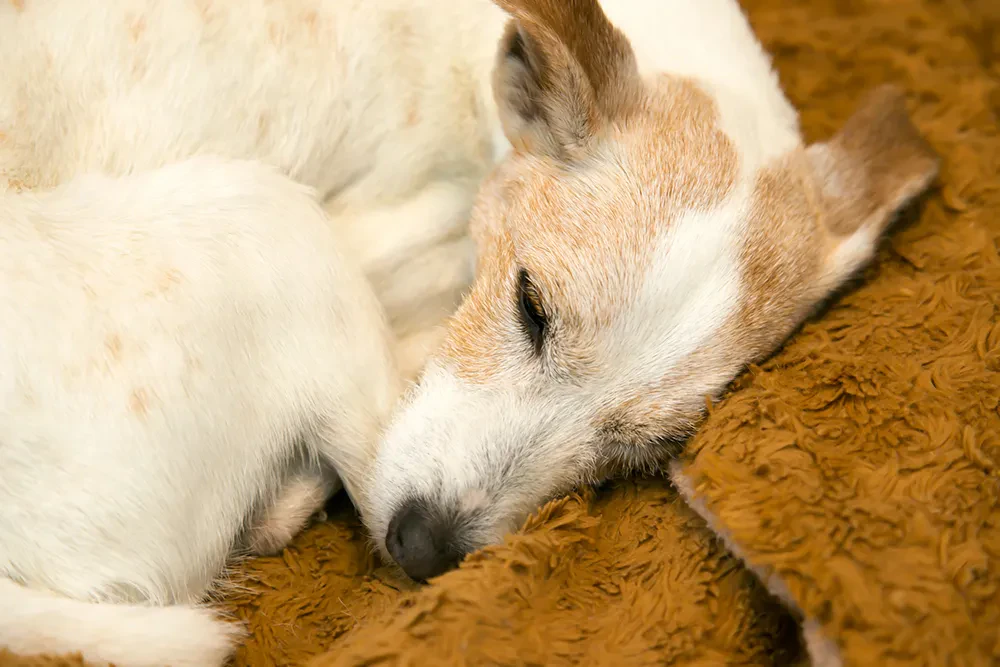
{"x":856,"y":471}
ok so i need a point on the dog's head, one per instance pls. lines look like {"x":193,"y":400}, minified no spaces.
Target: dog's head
{"x":632,"y":259}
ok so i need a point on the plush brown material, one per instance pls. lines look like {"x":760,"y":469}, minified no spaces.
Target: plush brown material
{"x":858,"y":471}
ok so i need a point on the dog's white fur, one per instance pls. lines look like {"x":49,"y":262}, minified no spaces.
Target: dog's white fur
{"x":386,"y":113}
{"x":189,"y":365}
{"x":384,"y":109}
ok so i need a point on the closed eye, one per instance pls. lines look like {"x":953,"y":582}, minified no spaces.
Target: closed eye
{"x":534,"y":321}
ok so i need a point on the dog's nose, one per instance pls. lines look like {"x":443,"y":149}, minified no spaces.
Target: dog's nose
{"x":422,"y":542}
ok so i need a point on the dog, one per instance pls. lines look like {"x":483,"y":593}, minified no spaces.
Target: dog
{"x":651,"y":220}
{"x":189,"y":366}
{"x":659,"y":225}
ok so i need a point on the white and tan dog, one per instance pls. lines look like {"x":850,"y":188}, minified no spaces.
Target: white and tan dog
{"x":658,"y":224}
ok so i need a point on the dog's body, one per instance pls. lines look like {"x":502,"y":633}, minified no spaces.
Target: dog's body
{"x":384,"y":109}
{"x":189,"y":366}
{"x":146,"y":429}
{"x":659,"y":224}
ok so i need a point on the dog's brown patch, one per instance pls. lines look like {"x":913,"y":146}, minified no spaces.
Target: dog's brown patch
{"x":276,"y":34}
{"x":139,"y":402}
{"x":136,"y":27}
{"x":311,"y":22}
{"x":167,"y":280}
{"x":812,"y":201}
{"x":113,"y":346}
{"x":413,"y":112}
{"x":205,"y":9}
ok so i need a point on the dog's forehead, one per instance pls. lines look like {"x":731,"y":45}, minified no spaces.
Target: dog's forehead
{"x":593,"y":231}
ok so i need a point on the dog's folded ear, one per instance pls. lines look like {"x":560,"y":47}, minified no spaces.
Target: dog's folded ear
{"x":866,"y":173}
{"x":563,"y":70}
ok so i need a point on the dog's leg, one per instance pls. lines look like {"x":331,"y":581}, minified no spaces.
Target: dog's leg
{"x":298,"y":503}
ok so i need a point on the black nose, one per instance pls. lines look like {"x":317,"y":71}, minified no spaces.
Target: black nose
{"x":422,"y":541}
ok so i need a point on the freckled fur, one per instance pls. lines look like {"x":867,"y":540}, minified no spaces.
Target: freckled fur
{"x":386,"y":113}
{"x":142,"y":431}
{"x":310,"y":87}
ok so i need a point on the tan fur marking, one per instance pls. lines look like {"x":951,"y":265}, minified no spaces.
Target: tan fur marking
{"x":13,"y":183}
{"x":29,"y":397}
{"x":311,"y":22}
{"x":139,"y":402}
{"x":17,"y":5}
{"x":165,"y":282}
{"x":204,"y":8}
{"x":276,"y":34}
{"x":586,"y":235}
{"x":169,"y":279}
{"x":413,"y":112}
{"x":263,"y":127}
{"x":782,"y":257}
{"x":808,"y":203}
{"x":193,"y":364}
{"x":136,"y":27}
{"x":113,"y":345}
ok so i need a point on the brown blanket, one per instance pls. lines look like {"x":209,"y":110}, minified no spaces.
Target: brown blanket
{"x":856,"y":475}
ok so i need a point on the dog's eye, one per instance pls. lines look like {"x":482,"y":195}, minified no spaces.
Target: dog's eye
{"x":533,"y":317}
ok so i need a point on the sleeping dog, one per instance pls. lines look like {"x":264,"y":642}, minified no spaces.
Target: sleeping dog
{"x":653,"y":223}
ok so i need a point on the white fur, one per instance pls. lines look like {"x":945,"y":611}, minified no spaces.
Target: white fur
{"x":711,"y":42}
{"x":174,"y":345}
{"x":39,"y":622}
{"x":384,"y":109}
{"x":387,"y":114}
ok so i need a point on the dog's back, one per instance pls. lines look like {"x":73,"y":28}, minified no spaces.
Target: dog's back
{"x":340,"y":95}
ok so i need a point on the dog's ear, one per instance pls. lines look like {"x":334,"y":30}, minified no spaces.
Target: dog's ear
{"x":866,"y":173}
{"x":562,"y":72}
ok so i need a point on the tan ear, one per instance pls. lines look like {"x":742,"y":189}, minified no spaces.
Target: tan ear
{"x":874,"y":165}
{"x":867,"y":172}
{"x":562,"y":71}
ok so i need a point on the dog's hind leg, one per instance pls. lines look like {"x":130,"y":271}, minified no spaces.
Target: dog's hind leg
{"x":298,"y":503}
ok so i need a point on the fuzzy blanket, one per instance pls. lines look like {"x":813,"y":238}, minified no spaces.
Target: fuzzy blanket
{"x":840,"y":506}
